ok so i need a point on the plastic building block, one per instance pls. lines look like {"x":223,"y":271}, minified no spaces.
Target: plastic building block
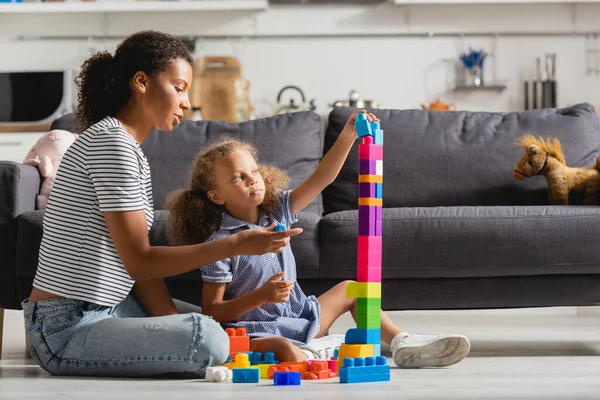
{"x":282,"y":368}
{"x":371,"y":369}
{"x":368,"y":275}
{"x":333,"y":365}
{"x":376,"y":350}
{"x":239,"y":342}
{"x":363,"y":289}
{"x":370,"y":152}
{"x":375,"y":125}
{"x":367,"y":167}
{"x":302,"y":367}
{"x":264,"y":368}
{"x":362,"y":125}
{"x":218,"y":374}
{"x":370,"y":178}
{"x":246,"y":375}
{"x":372,"y":244}
{"x":286,"y":379}
{"x":257,"y":358}
{"x":241,"y":361}
{"x":368,"y":140}
{"x":370,"y":202}
{"x":378,"y":228}
{"x":369,"y":259}
{"x":367,"y":189}
{"x":335,"y":353}
{"x":363,"y":336}
{"x":367,"y":219}
{"x":279,"y":228}
{"x":378,"y":136}
{"x":318,"y":369}
{"x":379,"y":190}
{"x":368,"y":317}
{"x":378,"y":167}
{"x":354,"y":351}
{"x":368,"y":302}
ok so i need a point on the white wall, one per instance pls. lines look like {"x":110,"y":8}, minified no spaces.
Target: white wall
{"x":400,"y":72}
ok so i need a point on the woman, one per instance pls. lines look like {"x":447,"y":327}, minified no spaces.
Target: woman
{"x":82,"y":317}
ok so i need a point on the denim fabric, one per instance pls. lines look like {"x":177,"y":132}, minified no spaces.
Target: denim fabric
{"x":74,"y":337}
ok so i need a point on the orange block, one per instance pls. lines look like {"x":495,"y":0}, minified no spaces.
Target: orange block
{"x":364,"y":178}
{"x":239,"y":342}
{"x":294,"y":367}
{"x":370,"y":201}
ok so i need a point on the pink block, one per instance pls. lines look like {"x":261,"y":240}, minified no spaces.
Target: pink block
{"x":369,"y":244}
{"x":370,"y":152}
{"x":369,"y":275}
{"x":333,"y":364}
{"x":370,"y":259}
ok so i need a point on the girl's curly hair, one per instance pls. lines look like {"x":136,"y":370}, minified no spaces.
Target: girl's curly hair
{"x":193,"y":217}
{"x":103,"y":81}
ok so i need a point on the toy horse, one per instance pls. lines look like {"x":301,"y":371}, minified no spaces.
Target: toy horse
{"x":545,"y":157}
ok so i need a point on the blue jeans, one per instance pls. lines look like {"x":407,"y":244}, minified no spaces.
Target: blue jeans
{"x":74,"y":337}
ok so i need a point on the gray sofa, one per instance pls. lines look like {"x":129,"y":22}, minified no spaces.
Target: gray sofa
{"x":458,"y":230}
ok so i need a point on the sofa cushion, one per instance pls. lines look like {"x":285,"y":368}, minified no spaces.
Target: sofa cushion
{"x":292,"y":142}
{"x":460,"y":242}
{"x":29,"y":236}
{"x":461,"y":158}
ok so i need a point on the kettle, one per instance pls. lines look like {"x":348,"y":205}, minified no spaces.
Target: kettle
{"x":292,"y":106}
{"x":439,"y":105}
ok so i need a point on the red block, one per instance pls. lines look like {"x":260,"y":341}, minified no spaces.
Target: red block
{"x":369,"y":259}
{"x":369,"y":244}
{"x":370,"y":152}
{"x":239,"y":342}
{"x":368,"y":275}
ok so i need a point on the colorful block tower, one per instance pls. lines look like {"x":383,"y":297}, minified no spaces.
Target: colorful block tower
{"x":364,"y":341}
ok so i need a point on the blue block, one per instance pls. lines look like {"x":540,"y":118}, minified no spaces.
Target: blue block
{"x":370,"y":369}
{"x":279,"y":228}
{"x":336,"y":353}
{"x":246,"y":375}
{"x":378,"y":137}
{"x":362,"y":125}
{"x":379,"y":190}
{"x":286,"y":378}
{"x":363,"y":336}
{"x":258,"y":358}
{"x":376,"y":350}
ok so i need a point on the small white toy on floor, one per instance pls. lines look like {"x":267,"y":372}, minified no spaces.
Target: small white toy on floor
{"x":218,"y":374}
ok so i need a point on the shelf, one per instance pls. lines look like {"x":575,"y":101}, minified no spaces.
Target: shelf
{"x":473,"y":2}
{"x":492,"y":86}
{"x":134,"y":6}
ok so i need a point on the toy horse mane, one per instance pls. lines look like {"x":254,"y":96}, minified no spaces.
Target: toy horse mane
{"x":550,"y":146}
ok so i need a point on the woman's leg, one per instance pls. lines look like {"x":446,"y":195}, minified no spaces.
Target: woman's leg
{"x":334,"y":303}
{"x":72,"y":337}
{"x":284,"y":349}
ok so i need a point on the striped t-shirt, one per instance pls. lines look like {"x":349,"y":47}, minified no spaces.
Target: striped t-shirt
{"x":103,"y":170}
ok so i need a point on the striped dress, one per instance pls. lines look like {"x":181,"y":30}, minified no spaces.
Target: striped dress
{"x":103,"y":170}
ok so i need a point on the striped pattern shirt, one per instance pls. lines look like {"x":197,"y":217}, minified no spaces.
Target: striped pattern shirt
{"x":103,"y":170}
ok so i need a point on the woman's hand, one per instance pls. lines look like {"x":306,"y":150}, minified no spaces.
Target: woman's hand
{"x":262,"y":240}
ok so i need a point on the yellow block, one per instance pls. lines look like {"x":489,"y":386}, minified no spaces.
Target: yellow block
{"x":263,"y":370}
{"x":353,"y":351}
{"x":370,"y":201}
{"x":370,"y":178}
{"x":363,"y":290}
{"x":241,"y":361}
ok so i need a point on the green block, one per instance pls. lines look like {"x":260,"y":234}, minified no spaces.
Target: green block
{"x":368,"y":302}
{"x":368,"y":317}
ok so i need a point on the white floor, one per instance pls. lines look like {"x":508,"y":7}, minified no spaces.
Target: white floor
{"x":549,"y":353}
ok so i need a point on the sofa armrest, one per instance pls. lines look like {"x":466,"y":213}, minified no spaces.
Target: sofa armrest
{"x":19,"y":187}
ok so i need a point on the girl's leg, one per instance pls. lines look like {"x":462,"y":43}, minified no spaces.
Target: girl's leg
{"x":284,"y":349}
{"x":72,"y":337}
{"x":334,"y":303}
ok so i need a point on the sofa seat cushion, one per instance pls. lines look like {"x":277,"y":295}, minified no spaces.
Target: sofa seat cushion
{"x":460,"y":242}
{"x":29,"y":236}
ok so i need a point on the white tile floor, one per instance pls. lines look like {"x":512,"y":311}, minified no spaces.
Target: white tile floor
{"x":549,"y":353}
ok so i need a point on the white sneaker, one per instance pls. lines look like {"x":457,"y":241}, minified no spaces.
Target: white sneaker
{"x":323,"y":348}
{"x":422,"y":351}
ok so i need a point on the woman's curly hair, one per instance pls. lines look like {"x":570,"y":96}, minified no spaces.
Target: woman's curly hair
{"x":103,"y":81}
{"x":193,"y":217}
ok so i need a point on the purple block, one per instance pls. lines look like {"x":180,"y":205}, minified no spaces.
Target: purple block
{"x":378,"y":228}
{"x":367,"y":189}
{"x":368,"y":219}
{"x":367,"y":167}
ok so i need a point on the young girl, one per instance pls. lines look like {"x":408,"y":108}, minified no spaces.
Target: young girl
{"x":230,"y":193}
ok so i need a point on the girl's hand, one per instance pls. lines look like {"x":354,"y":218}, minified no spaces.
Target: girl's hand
{"x":349,"y":130}
{"x":275,"y":290}
{"x":262,"y":240}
